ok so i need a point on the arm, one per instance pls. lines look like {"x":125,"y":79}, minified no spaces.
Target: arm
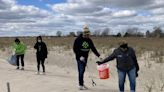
{"x":94,"y":49}
{"x":135,"y":60}
{"x":46,"y":48}
{"x":109,"y":58}
{"x":35,"y":46}
{"x":75,"y":47}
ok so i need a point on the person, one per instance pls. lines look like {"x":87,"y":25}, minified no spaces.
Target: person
{"x":126,"y":64}
{"x":19,"y":49}
{"x":41,"y":53}
{"x":81,"y":48}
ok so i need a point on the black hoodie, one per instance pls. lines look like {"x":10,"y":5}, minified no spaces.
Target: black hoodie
{"x":82,"y":47}
{"x":41,"y":49}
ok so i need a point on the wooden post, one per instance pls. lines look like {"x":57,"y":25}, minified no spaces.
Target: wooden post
{"x":8,"y":87}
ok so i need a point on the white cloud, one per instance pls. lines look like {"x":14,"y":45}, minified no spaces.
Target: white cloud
{"x":118,"y":15}
{"x":124,"y":13}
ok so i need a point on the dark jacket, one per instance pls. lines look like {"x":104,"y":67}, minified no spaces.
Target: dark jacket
{"x":125,"y":60}
{"x":41,"y":50}
{"x":82,"y":47}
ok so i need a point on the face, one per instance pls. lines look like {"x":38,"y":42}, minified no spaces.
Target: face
{"x":17,"y":42}
{"x":124,"y":49}
{"x":39,"y":40}
{"x":86,"y":36}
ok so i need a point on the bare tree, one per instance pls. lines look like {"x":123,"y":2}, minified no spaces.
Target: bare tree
{"x":72,"y":34}
{"x":118,"y":35}
{"x":148,"y":33}
{"x":59,"y":33}
{"x":157,"y":32}
{"x":97,"y":32}
{"x":133,"y":32}
{"x":105,"y":32}
{"x":78,"y":33}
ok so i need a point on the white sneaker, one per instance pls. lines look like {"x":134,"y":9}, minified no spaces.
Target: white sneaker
{"x":85,"y":87}
{"x":43,"y":73}
{"x":81,"y":88}
{"x":22,"y":68}
{"x":37,"y":73}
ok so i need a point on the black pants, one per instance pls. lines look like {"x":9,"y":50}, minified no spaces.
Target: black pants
{"x":40,"y":61}
{"x":22,"y":60}
{"x":81,"y":70}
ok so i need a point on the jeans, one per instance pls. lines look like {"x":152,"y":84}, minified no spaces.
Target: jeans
{"x":132,"y":78}
{"x":22,"y":60}
{"x":81,"y":69}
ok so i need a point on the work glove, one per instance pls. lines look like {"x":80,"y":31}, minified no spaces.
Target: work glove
{"x":99,"y":63}
{"x":82,"y":59}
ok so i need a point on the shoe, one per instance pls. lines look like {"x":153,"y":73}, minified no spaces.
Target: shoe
{"x":81,"y":88}
{"x":17,"y":68}
{"x":42,"y":73}
{"x":38,"y":73}
{"x":85,"y":87}
{"x":22,"y":68}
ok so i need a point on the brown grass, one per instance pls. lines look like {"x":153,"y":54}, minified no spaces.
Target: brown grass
{"x":139,"y":44}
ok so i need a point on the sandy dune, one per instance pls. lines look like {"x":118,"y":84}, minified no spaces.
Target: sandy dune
{"x":61,"y":76}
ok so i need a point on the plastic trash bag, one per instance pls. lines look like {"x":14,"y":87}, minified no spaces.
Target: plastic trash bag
{"x":12,"y":60}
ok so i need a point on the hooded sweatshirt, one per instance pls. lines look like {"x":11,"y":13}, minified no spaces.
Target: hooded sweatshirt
{"x":19,"y":48}
{"x":82,"y":47}
{"x":41,"y":50}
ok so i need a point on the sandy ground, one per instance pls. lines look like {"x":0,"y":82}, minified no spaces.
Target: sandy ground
{"x":61,"y":75}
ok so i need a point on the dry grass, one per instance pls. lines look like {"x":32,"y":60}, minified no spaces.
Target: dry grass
{"x":140,"y":44}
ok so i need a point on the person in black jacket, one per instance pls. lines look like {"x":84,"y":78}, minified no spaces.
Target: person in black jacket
{"x":126,"y":64}
{"x":41,"y":53}
{"x":81,"y":48}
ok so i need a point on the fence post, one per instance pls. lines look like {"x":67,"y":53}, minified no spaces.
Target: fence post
{"x":8,"y":87}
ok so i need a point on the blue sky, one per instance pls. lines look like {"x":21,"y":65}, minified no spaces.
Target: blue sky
{"x":39,"y":3}
{"x":46,"y":17}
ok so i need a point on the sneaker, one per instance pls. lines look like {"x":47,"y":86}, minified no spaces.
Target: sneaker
{"x":85,"y":87}
{"x":81,"y":88}
{"x":38,"y":73}
{"x":42,"y":73}
{"x":22,"y":68}
{"x":17,"y":68}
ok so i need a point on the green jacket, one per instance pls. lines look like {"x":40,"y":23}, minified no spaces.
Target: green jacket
{"x":19,"y":48}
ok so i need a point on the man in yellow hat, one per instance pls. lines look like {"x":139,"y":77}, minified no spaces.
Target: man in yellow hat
{"x":82,"y":46}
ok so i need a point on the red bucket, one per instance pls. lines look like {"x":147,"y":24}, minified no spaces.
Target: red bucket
{"x":103,"y":70}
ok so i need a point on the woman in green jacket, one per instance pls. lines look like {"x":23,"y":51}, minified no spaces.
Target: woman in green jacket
{"x":19,"y":49}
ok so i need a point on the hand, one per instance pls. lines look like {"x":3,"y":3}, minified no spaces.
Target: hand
{"x":136,"y":74}
{"x":82,"y":59}
{"x":13,"y":52}
{"x":99,"y":63}
{"x":100,"y":58}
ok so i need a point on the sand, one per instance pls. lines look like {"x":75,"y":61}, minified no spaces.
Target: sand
{"x":61,"y":75}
